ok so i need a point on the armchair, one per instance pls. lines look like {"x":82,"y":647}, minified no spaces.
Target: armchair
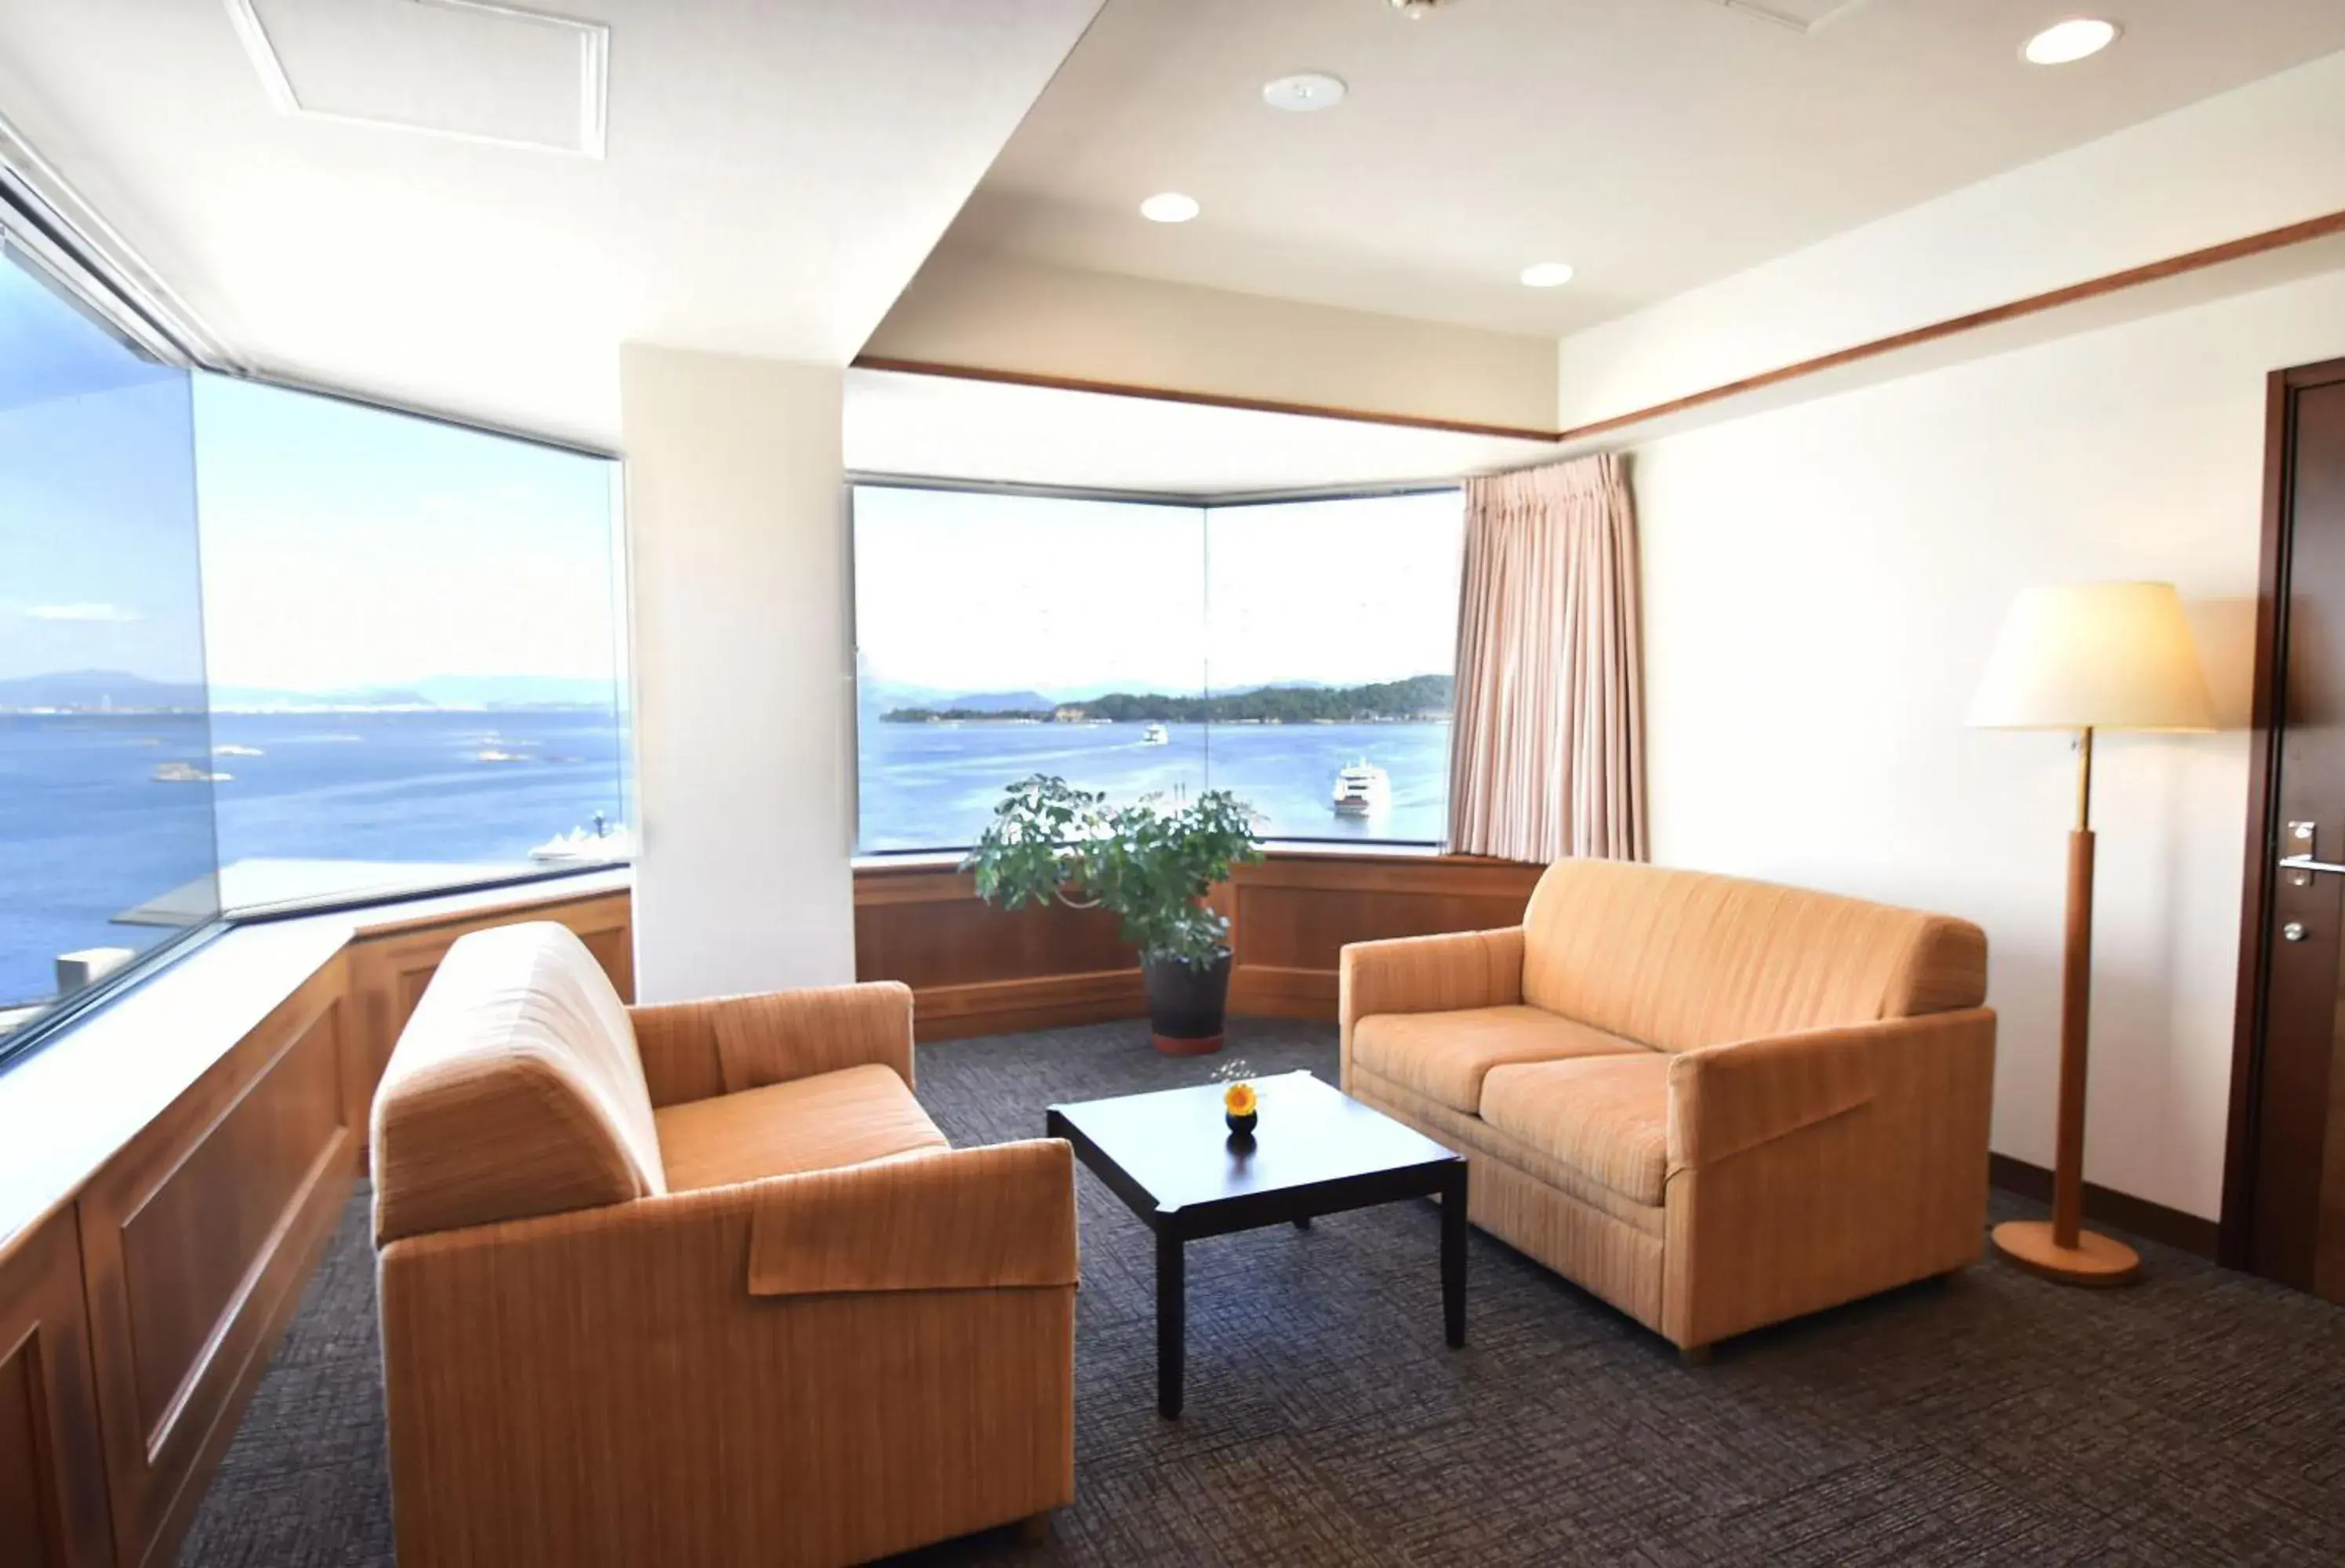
{"x":701,"y":1284}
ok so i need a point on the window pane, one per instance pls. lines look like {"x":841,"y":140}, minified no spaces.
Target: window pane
{"x":416,"y":649}
{"x":1332,"y":632}
{"x":106,"y":761}
{"x":998,"y":636}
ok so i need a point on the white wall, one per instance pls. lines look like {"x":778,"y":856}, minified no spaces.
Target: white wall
{"x":2255,"y":159}
{"x":743,"y":711}
{"x":1001,"y":312}
{"x":1822,"y":584}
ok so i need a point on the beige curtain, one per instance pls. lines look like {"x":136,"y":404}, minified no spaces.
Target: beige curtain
{"x":1546,"y":756}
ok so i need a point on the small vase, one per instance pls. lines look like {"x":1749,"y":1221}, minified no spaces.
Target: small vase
{"x":1242,"y":1126}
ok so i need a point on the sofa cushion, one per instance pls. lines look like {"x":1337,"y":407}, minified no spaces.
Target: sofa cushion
{"x":1605,"y":1117}
{"x":514,"y":1090}
{"x":1442,"y":1056}
{"x":1680,"y":959}
{"x":817,"y":1123}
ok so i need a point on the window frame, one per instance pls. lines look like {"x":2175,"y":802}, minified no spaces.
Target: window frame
{"x":98,"y":277}
{"x":1202,"y":502}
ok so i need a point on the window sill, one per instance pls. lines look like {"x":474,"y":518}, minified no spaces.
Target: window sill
{"x":69,"y":1105}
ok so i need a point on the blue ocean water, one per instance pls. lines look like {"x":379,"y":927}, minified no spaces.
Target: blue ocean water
{"x":929,"y":786}
{"x":86,"y":832}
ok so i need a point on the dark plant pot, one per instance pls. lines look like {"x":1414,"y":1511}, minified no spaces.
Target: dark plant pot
{"x":1242,"y":1126}
{"x":1185,"y":1003}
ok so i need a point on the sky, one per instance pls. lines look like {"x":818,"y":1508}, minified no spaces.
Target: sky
{"x":98,"y":527}
{"x":969,"y":591}
{"x":341,"y":546}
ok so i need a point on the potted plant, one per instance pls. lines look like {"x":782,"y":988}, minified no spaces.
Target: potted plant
{"x":1150,"y":862}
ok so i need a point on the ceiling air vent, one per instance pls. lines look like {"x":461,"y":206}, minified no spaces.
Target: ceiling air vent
{"x":1802,"y":16}
{"x":443,"y":67}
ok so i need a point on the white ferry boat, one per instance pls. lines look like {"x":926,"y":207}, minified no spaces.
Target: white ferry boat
{"x":1155,"y":735}
{"x":186,"y":772}
{"x":602,"y":843}
{"x":1363,"y":789}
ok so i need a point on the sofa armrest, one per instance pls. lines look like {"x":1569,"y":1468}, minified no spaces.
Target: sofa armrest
{"x":693,"y":1050}
{"x":1426,"y":975}
{"x":1727,"y":1099}
{"x":965,"y":1220}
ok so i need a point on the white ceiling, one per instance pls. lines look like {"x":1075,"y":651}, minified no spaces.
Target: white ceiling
{"x":935,"y":427}
{"x":776,"y":173}
{"x":1654,"y":145}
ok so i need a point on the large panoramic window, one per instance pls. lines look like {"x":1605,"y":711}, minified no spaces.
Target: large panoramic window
{"x":1002,"y":635}
{"x":1331,"y":631}
{"x":1297,"y":654}
{"x":106,"y":756}
{"x":416,"y":650}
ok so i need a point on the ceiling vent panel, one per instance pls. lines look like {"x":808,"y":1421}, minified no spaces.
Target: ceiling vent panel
{"x":1799,"y":15}
{"x":443,"y":67}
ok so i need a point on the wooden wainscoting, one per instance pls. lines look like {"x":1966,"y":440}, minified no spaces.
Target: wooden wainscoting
{"x":137,"y":1318}
{"x":53,"y":1511}
{"x":391,"y":962}
{"x":976,"y":970}
{"x":1293,"y":914}
{"x":196,"y":1240}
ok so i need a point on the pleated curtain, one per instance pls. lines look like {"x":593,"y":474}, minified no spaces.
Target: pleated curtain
{"x":1547,"y":754}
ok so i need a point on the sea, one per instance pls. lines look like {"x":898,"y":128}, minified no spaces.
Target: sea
{"x":935,"y":786}
{"x":89,"y":833}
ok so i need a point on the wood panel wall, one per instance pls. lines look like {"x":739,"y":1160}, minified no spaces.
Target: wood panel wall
{"x":137,"y":1318}
{"x":976,"y":970}
{"x":53,"y":1508}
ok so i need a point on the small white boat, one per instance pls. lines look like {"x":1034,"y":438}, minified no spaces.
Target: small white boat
{"x":1363,"y":789}
{"x":227,"y":749}
{"x":603,"y":843}
{"x":186,"y":772}
{"x":1155,"y":735}
{"x":491,"y":754}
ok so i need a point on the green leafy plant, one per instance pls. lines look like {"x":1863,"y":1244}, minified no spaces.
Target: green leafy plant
{"x":1150,"y":862}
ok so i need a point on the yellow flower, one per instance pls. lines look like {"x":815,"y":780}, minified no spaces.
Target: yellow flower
{"x":1238,"y":1099}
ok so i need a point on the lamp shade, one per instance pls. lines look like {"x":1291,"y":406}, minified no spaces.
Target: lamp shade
{"x":2094,"y":655}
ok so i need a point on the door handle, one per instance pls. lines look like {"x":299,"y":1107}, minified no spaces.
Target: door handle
{"x":2306,"y":863}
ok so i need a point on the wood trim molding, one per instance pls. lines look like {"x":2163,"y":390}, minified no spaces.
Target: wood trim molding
{"x":2239,"y":249}
{"x":2324,"y":226}
{"x":1201,"y":400}
{"x":2106,"y":1205}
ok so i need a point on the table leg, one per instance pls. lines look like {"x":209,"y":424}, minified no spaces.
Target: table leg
{"x":1171,"y":1321}
{"x":1453,"y":1257}
{"x":1304,"y":1223}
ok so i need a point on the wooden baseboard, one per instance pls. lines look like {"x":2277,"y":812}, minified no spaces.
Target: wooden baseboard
{"x":2153,"y":1221}
{"x":1034,"y":1002}
{"x":1275,"y":991}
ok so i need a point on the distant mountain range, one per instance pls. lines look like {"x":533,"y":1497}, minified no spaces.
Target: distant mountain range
{"x":1280,"y":702}
{"x":105,"y":690}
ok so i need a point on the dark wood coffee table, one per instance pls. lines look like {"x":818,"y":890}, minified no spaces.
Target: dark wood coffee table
{"x":1317,"y":1150}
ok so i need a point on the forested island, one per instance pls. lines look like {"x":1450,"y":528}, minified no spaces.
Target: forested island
{"x":1386,"y":702}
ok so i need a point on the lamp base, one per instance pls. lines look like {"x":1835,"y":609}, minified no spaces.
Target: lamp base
{"x":2094,"y":1261}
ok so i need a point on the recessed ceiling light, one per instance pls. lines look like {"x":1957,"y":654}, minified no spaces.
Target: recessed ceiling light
{"x":1169,"y":206}
{"x":1301,"y":93}
{"x":1547,"y":275}
{"x":2064,"y":43}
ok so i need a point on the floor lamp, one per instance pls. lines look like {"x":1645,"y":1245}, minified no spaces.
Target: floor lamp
{"x":2085,"y":657}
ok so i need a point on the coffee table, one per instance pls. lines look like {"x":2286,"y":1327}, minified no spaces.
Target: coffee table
{"x":1168,"y":1155}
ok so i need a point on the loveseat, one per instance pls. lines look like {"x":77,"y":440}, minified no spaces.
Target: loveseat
{"x":1714,"y":1103}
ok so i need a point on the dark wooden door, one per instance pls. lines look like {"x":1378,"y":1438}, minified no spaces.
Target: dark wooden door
{"x":2284,"y":1199}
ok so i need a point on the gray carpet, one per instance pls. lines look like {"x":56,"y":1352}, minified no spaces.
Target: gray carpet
{"x":2194,"y":1420}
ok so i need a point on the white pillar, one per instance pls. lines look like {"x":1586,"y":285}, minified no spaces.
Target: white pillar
{"x":744,"y":714}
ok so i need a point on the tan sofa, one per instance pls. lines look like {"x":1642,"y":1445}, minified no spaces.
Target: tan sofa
{"x":1714,"y":1103}
{"x":702,"y":1284}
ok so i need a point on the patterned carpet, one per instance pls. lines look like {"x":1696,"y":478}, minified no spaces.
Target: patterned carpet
{"x":2193,"y":1420}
